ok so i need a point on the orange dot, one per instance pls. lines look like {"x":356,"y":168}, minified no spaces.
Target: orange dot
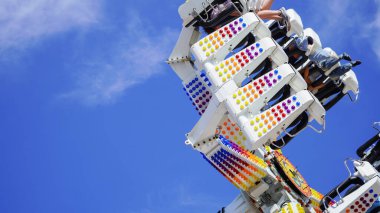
{"x":225,"y":123}
{"x":233,"y":124}
{"x":219,"y":38}
{"x":233,"y":72}
{"x":237,"y":68}
{"x":223,"y":132}
{"x":217,"y":46}
{"x":228,"y":128}
{"x":232,"y":60}
{"x":211,"y":37}
{"x":268,"y":113}
{"x":248,"y":94}
{"x":221,"y":43}
{"x":230,"y":67}
{"x":256,"y":95}
{"x":250,"y":86}
{"x":237,"y":129}
{"x":214,"y":42}
{"x":266,"y":121}
{"x":274,"y":123}
{"x":251,"y":100}
{"x":235,"y":63}
{"x":227,"y":62}
{"x":215,"y":34}
{"x":269,"y":126}
{"x":232,"y":133}
{"x":271,"y":118}
{"x":227,"y":137}
{"x":262,"y":116}
{"x":245,"y":89}
{"x":253,"y":91}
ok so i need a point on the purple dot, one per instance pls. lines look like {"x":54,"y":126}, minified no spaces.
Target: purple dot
{"x":203,"y":111}
{"x":293,"y":107}
{"x":367,"y":204}
{"x":266,"y":77}
{"x":271,"y":75}
{"x":236,"y":22}
{"x":207,"y":100}
{"x":283,"y":104}
{"x":239,"y":28}
{"x":289,"y":101}
{"x":200,"y":106}
{"x":197,"y":101}
{"x":207,"y":92}
{"x":256,"y":53}
{"x":269,"y":84}
{"x":286,"y":107}
{"x":235,"y":31}
{"x":274,"y":81}
{"x":251,"y":57}
{"x":366,"y":195}
{"x":288,"y":111}
{"x":253,"y":48}
{"x":231,"y":25}
{"x":371,"y":200}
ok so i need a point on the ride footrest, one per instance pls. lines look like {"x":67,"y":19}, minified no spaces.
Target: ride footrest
{"x":243,"y":63}
{"x":266,"y":127}
{"x":218,"y":44}
{"x":253,"y":96}
{"x":360,"y":200}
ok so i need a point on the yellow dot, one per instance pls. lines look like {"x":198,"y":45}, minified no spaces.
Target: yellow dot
{"x":207,"y":54}
{"x":234,"y":96}
{"x":237,"y":101}
{"x":261,"y":125}
{"x":201,"y":43}
{"x":246,"y":103}
{"x":204,"y":49}
{"x":228,"y":76}
{"x":241,"y":133}
{"x":239,"y":92}
{"x":205,"y":40}
{"x":241,"y":107}
{"x":212,"y":50}
{"x":257,"y":119}
{"x":244,"y":138}
{"x":221,"y":65}
{"x":256,"y":128}
{"x":224,"y":79}
{"x":235,"y":138}
{"x":260,"y":134}
{"x":225,"y":70}
{"x":220,"y":74}
{"x":216,"y":68}
{"x":265,"y":130}
{"x":243,"y":98}
{"x":209,"y":45}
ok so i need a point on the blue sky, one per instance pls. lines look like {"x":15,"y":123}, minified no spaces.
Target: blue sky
{"x":93,"y":120}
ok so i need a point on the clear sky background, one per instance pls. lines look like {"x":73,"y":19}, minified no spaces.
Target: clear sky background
{"x":93,"y":120}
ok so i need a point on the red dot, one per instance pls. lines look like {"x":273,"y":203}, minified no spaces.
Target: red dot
{"x":239,"y":60}
{"x":262,"y":84}
{"x":246,"y":61}
{"x":230,"y":35}
{"x":245,"y":57}
{"x":237,"y":56}
{"x":242,"y":64}
{"x":260,"y":80}
{"x":283,"y":115}
{"x":281,"y":110}
{"x":225,"y":28}
{"x":273,"y":110}
{"x":258,"y":87}
{"x":278,"y":118}
{"x":278,"y":107}
{"x":223,"y":35}
{"x":276,"y":114}
{"x":255,"y":83}
{"x":242,"y":53}
{"x":261,"y":92}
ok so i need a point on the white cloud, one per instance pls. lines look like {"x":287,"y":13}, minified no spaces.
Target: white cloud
{"x":24,"y":22}
{"x":137,"y":55}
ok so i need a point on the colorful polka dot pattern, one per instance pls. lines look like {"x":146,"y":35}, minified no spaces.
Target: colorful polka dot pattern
{"x":263,"y":123}
{"x":213,"y":42}
{"x":198,"y":91}
{"x":232,"y":132}
{"x":228,"y":68}
{"x":253,"y":91}
{"x":315,"y":199}
{"x":245,"y":155}
{"x":363,"y":203}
